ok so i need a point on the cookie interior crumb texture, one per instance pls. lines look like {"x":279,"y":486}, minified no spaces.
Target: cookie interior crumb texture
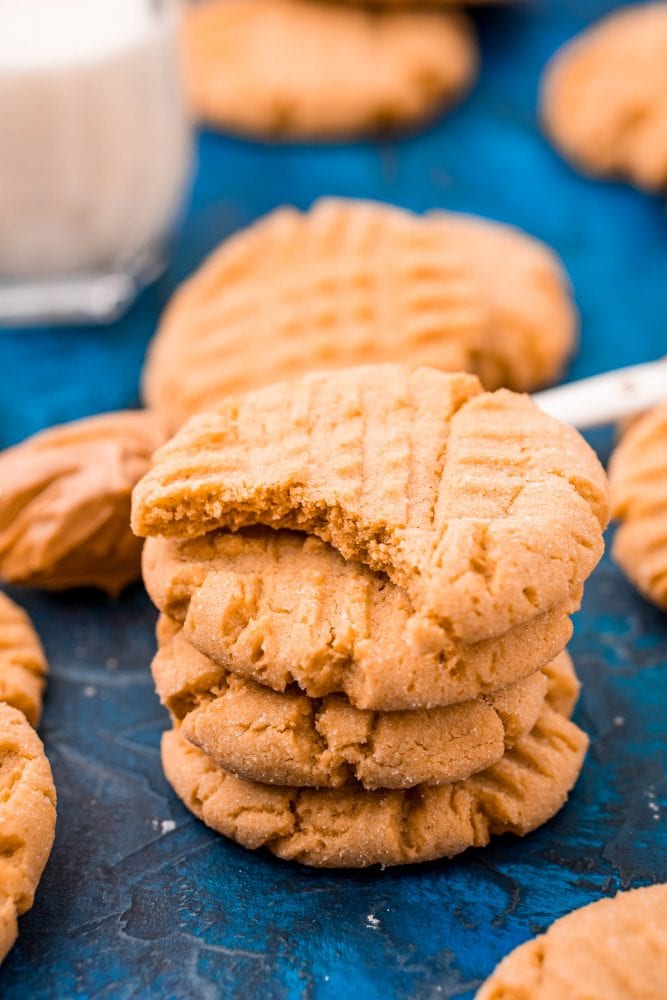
{"x":486,"y":511}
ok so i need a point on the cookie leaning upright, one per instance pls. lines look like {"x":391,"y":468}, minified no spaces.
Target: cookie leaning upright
{"x":613,"y":949}
{"x":298,"y":69}
{"x":604,"y":97}
{"x":638,"y":480}
{"x":484,"y":510}
{"x":27,"y":819}
{"x":356,"y":282}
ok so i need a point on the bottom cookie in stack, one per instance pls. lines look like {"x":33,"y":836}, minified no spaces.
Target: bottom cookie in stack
{"x":354,"y":828}
{"x":327,"y":784}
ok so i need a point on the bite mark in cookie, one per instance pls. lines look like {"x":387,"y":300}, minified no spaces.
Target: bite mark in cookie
{"x":484,"y":510}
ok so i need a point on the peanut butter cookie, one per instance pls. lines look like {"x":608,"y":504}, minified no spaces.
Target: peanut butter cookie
{"x":352,"y":828}
{"x":531,"y":320}
{"x":27,"y":819}
{"x":614,"y":949}
{"x":65,"y":502}
{"x":638,"y":478}
{"x":22,"y":661}
{"x":297,"y":69}
{"x":604,"y":100}
{"x":484,"y":510}
{"x":281,"y":608}
{"x":290,"y":739}
{"x":353,"y":282}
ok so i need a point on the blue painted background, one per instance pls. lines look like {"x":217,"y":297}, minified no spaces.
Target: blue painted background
{"x":129,"y":907}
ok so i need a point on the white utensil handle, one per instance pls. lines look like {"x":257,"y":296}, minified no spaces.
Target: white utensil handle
{"x":603,"y":399}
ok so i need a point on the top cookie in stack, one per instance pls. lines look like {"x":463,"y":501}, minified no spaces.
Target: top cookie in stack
{"x":406,"y":552}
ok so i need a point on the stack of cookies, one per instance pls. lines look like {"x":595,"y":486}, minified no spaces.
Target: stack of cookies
{"x":366,"y":578}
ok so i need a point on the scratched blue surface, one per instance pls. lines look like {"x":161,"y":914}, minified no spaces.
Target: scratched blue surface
{"x":128,"y":908}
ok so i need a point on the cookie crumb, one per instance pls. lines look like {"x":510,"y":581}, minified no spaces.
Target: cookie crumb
{"x":653,"y":805}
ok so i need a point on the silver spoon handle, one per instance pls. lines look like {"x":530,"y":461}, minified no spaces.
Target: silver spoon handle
{"x":603,"y":399}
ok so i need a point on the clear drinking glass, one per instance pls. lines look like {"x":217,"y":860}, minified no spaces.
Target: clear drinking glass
{"x":95,"y":154}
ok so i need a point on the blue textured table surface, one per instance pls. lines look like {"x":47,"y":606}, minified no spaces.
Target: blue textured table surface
{"x":141,"y":900}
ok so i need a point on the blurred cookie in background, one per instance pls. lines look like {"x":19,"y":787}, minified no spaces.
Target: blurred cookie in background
{"x":308,"y":70}
{"x":353,"y":282}
{"x":604,"y":97}
{"x":638,"y":479}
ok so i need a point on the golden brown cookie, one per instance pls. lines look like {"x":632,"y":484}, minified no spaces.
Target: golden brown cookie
{"x":638,"y":479}
{"x":290,"y":739}
{"x":485,"y":510}
{"x":614,"y":949}
{"x":563,"y":685}
{"x":22,"y":661}
{"x":292,"y":68}
{"x":531,"y":322}
{"x":27,"y":819}
{"x":65,"y":502}
{"x":351,"y":828}
{"x":353,"y":282}
{"x":604,"y":100}
{"x":281,"y":608}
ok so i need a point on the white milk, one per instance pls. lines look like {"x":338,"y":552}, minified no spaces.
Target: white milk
{"x":94,"y":141}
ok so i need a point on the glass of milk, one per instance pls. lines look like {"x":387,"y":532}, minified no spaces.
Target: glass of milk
{"x":95,"y":154}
